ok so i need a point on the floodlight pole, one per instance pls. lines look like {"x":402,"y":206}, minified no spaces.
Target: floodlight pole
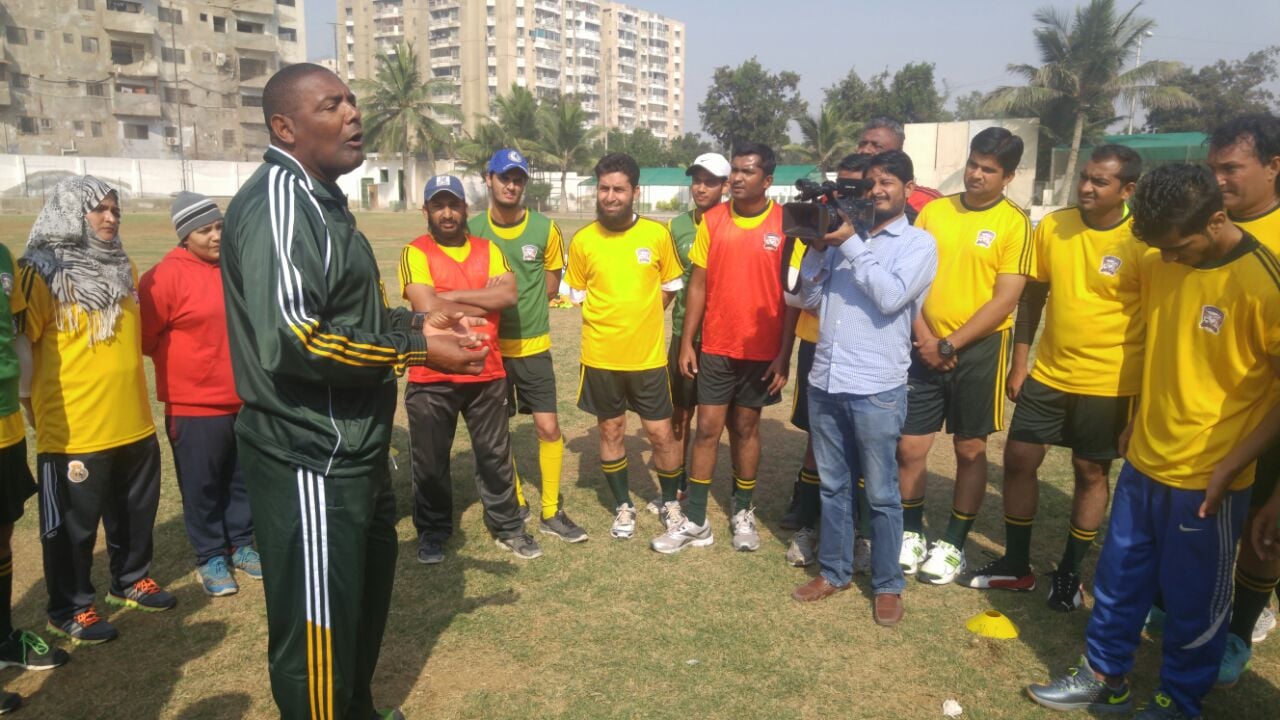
{"x":1133,"y":99}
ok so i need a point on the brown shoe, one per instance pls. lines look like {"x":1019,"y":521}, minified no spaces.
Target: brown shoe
{"x":815,"y":590}
{"x":888,"y":609}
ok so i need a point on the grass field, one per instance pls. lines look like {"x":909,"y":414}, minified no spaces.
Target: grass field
{"x":606,"y":629}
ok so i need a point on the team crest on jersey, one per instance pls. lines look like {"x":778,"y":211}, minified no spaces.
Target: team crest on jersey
{"x":985,"y":238}
{"x":6,"y":280}
{"x":528,"y":253}
{"x":772,"y":241}
{"x":1211,"y":319}
{"x":77,"y":472}
{"x":644,"y":256}
{"x":1110,"y":265}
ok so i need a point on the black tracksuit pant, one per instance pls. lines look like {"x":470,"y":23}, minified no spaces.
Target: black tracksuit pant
{"x":215,"y":503}
{"x":433,"y":410}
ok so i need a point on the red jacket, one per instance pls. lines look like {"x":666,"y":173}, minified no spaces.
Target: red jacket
{"x":922,"y":196}
{"x":184,"y":330}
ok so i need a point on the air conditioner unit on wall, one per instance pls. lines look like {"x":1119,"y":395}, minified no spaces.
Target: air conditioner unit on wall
{"x":220,"y":59}
{"x":172,"y":141}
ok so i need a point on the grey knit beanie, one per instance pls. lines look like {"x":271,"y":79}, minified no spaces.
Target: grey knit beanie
{"x":192,"y":211}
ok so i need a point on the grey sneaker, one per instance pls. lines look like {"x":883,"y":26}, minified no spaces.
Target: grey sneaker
{"x":523,"y":545}
{"x":562,"y":527}
{"x":861,"y":555}
{"x":803,"y":551}
{"x":682,"y":535}
{"x":624,"y":522}
{"x":430,"y":551}
{"x":1080,"y":690}
{"x":743,"y":526}
{"x":671,"y":514}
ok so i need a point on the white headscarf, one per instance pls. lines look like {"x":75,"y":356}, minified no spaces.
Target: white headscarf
{"x":83,"y":271}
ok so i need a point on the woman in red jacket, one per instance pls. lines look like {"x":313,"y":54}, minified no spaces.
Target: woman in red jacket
{"x":184,"y":330}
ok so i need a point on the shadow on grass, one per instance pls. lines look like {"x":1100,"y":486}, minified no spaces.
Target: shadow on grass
{"x":228,"y":706}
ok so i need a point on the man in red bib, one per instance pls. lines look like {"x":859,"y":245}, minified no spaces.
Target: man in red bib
{"x":451,"y":271}
{"x":735,"y":299}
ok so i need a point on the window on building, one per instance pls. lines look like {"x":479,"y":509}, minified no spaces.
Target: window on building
{"x":251,"y":68}
{"x":27,"y":126}
{"x":250,"y":28}
{"x":384,"y":175}
{"x":89,"y":45}
{"x":37,"y":35}
{"x":229,"y":100}
{"x":4,"y":73}
{"x":228,"y":138}
{"x":288,"y":34}
{"x":134,"y":131}
{"x":46,"y":123}
{"x":18,"y":81}
{"x":126,"y":6}
{"x":170,"y":15}
{"x":124,"y":53}
{"x":251,"y":101}
{"x":68,"y":38}
{"x":15,"y":35}
{"x":349,"y":13}
{"x":178,"y":95}
{"x":219,"y":24}
{"x":289,"y":3}
{"x":95,"y":129}
{"x":96,"y":89}
{"x":206,"y":57}
{"x":78,"y":126}
{"x":86,"y":4}
{"x":170,"y":131}
{"x":171,"y":55}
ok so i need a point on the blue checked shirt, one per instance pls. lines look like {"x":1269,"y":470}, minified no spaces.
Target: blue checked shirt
{"x":867,"y":293}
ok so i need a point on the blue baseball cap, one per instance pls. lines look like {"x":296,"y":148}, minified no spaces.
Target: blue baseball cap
{"x":506,"y":159}
{"x":443,"y":183}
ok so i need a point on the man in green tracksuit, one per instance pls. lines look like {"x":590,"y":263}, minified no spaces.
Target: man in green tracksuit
{"x":316,"y":352}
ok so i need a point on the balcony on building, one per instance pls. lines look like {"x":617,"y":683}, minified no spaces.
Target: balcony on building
{"x":249,"y":115}
{"x":135,"y":104}
{"x":257,"y":40}
{"x":5,"y":98}
{"x":255,"y":71}
{"x":132,"y":60}
{"x":124,"y":16}
{"x":386,"y":11}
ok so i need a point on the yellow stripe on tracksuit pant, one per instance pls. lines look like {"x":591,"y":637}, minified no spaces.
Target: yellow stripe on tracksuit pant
{"x":328,"y":547}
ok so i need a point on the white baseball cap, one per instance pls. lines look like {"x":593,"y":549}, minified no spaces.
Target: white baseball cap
{"x":713,"y":163}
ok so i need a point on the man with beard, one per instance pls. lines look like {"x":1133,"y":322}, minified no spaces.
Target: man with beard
{"x":532,"y":244}
{"x":448,"y":270}
{"x":315,"y":352}
{"x":709,"y":175}
{"x":623,"y":270}
{"x":736,"y":286}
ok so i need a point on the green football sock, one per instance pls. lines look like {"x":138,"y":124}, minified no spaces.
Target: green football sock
{"x":669,"y":480}
{"x":808,"y":498}
{"x":1017,"y":533}
{"x":913,"y":515}
{"x":695,"y":506}
{"x":615,"y":473}
{"x":958,"y":527}
{"x":742,"y":489}
{"x":864,"y":509}
{"x":1078,"y":544}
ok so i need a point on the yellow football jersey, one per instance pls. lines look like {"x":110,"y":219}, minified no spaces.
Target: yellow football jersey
{"x":1264,"y":227}
{"x":973,"y":247}
{"x":12,"y":430}
{"x":86,"y":397}
{"x":1212,"y":333}
{"x":623,"y":274}
{"x":807,"y":325}
{"x":1093,"y":328}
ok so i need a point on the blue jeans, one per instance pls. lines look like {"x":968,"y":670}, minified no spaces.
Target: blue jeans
{"x":857,"y":436}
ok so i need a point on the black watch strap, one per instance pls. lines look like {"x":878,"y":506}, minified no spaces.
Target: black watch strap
{"x":418,"y":321}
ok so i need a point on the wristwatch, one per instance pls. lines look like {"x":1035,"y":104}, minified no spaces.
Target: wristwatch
{"x":419,"y":320}
{"x":946,"y":349}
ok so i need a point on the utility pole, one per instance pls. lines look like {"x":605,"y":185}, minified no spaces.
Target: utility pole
{"x":1133,"y":99}
{"x":339,"y":62}
{"x":173,"y":63}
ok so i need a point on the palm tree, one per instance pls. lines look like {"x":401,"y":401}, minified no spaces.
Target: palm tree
{"x":564,"y":140}
{"x":1082,"y":71}
{"x":400,"y":112}
{"x":517,"y":116}
{"x":827,"y":138}
{"x":475,"y":149}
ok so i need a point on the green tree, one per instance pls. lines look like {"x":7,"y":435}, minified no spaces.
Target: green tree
{"x":517,"y":117}
{"x":640,"y":144}
{"x":400,"y":111}
{"x":912,"y":96}
{"x":826,"y":138}
{"x":564,"y":140}
{"x":751,"y":104}
{"x":1223,"y":90}
{"x":1082,"y":71}
{"x":851,"y":99}
{"x":682,"y":150}
{"x":473,"y":151}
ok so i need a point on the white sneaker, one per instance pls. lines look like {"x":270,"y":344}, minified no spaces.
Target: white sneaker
{"x":654,"y":506}
{"x":624,"y":522}
{"x":682,"y":535}
{"x":945,"y":562}
{"x":1266,"y":623}
{"x":913,"y":552}
{"x":861,"y":555}
{"x":743,"y":525}
{"x":671,"y":514}
{"x":803,"y":551}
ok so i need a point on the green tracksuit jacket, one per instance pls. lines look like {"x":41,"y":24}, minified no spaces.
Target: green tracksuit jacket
{"x":314,"y":347}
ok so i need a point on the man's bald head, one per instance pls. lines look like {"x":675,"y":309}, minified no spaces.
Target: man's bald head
{"x":280,"y":96}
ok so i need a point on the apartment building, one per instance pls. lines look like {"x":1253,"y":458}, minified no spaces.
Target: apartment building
{"x":624,"y":64}
{"x":142,"y":78}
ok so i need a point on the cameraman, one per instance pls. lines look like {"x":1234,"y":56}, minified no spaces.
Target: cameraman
{"x":867,"y":292}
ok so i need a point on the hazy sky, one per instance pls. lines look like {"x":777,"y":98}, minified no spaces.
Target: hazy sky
{"x":969,"y":42}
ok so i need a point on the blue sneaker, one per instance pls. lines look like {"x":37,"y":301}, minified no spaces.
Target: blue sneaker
{"x":246,"y":560}
{"x":1161,"y":707}
{"x":1234,"y":662}
{"x":215,"y":578}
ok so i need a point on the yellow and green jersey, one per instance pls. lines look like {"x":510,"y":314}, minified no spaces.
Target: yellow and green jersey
{"x":1212,"y":335}
{"x":1264,"y":227}
{"x":533,"y":247}
{"x":623,"y":274}
{"x":1093,"y":332}
{"x":683,"y":231}
{"x":11,"y":428}
{"x":974,"y":246}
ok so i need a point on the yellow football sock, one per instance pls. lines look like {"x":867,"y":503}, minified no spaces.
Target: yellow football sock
{"x":550,"y":461}
{"x":515,"y":477}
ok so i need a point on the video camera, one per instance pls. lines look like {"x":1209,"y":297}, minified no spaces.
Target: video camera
{"x":814,"y":215}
